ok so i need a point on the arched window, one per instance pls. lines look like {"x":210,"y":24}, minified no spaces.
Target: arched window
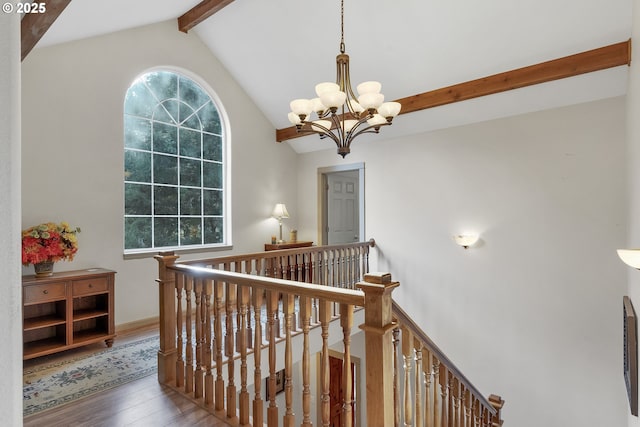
{"x":174,"y":165}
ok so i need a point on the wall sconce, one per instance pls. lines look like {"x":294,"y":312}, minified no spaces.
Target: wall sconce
{"x":631,"y":257}
{"x":280,"y":212}
{"x":466,"y":240}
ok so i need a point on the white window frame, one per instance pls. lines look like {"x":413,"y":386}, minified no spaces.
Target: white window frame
{"x":226,"y":172}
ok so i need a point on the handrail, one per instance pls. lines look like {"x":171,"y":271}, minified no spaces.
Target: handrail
{"x":338,"y":295}
{"x":404,"y":319}
{"x":279,"y":252}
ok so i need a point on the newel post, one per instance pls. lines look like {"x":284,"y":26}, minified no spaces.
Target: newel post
{"x":497,"y":403}
{"x":378,"y":327}
{"x":167,"y":304}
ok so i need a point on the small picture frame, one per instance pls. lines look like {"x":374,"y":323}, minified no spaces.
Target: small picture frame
{"x":630,"y":353}
{"x":279,"y":383}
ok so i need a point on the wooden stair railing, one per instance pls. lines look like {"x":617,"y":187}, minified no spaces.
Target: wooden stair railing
{"x":222,"y":317}
{"x":438,"y":393}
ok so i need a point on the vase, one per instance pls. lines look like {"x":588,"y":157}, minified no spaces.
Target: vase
{"x":43,"y":269}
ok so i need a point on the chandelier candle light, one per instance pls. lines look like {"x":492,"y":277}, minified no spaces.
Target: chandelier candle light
{"x":341,"y":115}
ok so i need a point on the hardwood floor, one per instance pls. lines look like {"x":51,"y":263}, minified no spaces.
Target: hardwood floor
{"x":139,"y":403}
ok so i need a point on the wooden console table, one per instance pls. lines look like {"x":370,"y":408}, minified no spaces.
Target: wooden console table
{"x":67,"y":310}
{"x":286,"y":245}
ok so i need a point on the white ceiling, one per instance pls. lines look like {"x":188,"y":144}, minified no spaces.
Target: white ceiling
{"x":279,"y":49}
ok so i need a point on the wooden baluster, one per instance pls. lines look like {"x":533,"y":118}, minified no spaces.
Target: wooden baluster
{"x":428,"y":393}
{"x":407,"y":350}
{"x":272,"y":312}
{"x":360,"y":268}
{"x":485,"y":417}
{"x":366,"y":253}
{"x":288,"y":307}
{"x":476,"y":412}
{"x":167,"y":353}
{"x":346,"y":321}
{"x":258,"y":404}
{"x":437,"y":406}
{"x":180,"y":356}
{"x":305,"y":319}
{"x":450,"y":407}
{"x":444,"y":399}
{"x":334,"y":269}
{"x":346,"y":262}
{"x":325,"y":318}
{"x":199,"y":372}
{"x":467,"y":408}
{"x":243,"y":298}
{"x":219,"y":340}
{"x":342,"y":263}
{"x":417,"y":345}
{"x":396,"y":378}
{"x":208,"y":378}
{"x":456,"y":402}
{"x":251,"y":269}
{"x":238,"y":269}
{"x":300,"y":266}
{"x":230,"y":347}
{"x":188,"y":385}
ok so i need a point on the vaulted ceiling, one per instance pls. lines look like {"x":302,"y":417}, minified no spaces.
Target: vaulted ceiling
{"x":279,"y":49}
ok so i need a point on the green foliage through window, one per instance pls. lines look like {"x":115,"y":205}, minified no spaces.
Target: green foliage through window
{"x":174,"y":179}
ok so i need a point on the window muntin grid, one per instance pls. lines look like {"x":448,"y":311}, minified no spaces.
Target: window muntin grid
{"x":174,"y":169}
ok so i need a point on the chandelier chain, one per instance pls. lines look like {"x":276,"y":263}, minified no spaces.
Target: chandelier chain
{"x":342,"y":48}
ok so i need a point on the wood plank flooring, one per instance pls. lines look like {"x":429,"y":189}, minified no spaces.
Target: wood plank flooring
{"x":139,"y":403}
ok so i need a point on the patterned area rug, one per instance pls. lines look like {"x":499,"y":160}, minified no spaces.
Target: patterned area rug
{"x":48,"y":386}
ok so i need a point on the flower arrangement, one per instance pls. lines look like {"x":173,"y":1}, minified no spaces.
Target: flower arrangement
{"x":49,"y":242}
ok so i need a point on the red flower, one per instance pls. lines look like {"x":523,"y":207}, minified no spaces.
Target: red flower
{"x":49,"y":242}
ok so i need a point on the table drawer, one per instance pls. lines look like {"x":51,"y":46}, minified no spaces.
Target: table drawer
{"x":46,"y":292}
{"x":90,"y":286}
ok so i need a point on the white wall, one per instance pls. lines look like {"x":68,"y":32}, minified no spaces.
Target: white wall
{"x":73,"y":150}
{"x":11,"y":293}
{"x":633,"y":156}
{"x":532,"y":313}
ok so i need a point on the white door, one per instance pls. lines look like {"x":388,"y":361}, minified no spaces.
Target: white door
{"x":342,"y":207}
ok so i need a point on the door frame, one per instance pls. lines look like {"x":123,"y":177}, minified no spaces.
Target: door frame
{"x":323,"y":214}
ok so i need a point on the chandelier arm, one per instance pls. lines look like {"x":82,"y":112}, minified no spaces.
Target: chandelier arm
{"x":340,"y":135}
{"x":368,"y":129}
{"x":323,"y":132}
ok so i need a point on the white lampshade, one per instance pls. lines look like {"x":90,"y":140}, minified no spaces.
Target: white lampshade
{"x":355,"y":107}
{"x":631,"y":257}
{"x":376,"y":120}
{"x":389,"y":109}
{"x":294,"y":118}
{"x":333,"y":99}
{"x":280,"y":211}
{"x":371,"y":100}
{"x":324,"y":123}
{"x":466,"y":240}
{"x":317,"y":105}
{"x":369,"y":87}
{"x":301,"y":107}
{"x":326,"y":87}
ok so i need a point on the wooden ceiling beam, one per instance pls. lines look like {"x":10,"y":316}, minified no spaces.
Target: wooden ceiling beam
{"x":34,"y":25}
{"x":569,"y":66}
{"x":199,"y":13}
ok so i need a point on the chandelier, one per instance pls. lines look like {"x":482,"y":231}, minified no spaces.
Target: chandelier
{"x":341,"y":115}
